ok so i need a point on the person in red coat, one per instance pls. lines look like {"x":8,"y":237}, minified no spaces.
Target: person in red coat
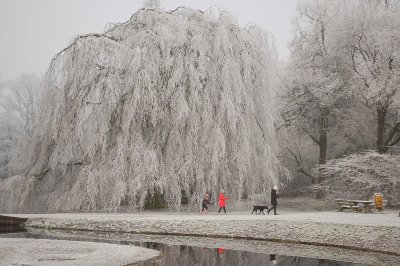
{"x":222,"y":201}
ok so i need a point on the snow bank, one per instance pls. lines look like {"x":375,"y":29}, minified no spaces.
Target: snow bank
{"x":15,"y":251}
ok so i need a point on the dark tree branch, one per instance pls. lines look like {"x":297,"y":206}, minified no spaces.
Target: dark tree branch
{"x":301,"y":170}
{"x":392,"y":133}
{"x":294,"y":156}
{"x":311,"y":136}
{"x":395,"y":141}
{"x":356,"y":70}
{"x":262,"y":131}
{"x":98,"y":35}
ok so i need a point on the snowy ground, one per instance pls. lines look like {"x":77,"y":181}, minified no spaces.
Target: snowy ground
{"x":371,"y":232}
{"x":14,"y":251}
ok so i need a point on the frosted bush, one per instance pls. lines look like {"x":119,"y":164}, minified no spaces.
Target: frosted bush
{"x":359,"y":176}
{"x":177,"y":101}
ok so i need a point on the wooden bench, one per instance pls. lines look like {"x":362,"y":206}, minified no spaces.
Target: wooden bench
{"x":343,"y":204}
{"x":357,"y":205}
{"x":354,"y":205}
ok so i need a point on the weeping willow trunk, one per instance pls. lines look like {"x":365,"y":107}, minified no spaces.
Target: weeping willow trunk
{"x":177,"y":101}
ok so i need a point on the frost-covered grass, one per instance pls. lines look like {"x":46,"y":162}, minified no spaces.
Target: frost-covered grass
{"x":16,"y":251}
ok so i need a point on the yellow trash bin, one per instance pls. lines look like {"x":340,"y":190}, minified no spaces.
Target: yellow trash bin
{"x":378,"y":201}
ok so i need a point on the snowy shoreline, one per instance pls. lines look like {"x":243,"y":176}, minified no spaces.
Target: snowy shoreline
{"x":254,"y":246}
{"x":363,"y":232}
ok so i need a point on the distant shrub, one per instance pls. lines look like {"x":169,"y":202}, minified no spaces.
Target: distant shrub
{"x":359,"y":176}
{"x":155,"y":200}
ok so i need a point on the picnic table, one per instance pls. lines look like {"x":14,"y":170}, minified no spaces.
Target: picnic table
{"x":354,"y":205}
{"x":365,"y":204}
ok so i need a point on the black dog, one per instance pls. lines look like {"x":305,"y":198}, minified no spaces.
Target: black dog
{"x":260,"y":208}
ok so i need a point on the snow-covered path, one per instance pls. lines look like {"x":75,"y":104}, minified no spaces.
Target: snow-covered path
{"x":370,"y":232}
{"x":389,"y":218}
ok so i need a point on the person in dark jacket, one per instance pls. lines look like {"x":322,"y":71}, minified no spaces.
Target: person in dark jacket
{"x":204,"y":206}
{"x":274,"y":199}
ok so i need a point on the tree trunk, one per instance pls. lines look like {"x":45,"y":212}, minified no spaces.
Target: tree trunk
{"x":381,"y":112}
{"x":323,"y":145}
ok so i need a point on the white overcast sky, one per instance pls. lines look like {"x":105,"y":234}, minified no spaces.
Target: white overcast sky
{"x":33,"y":31}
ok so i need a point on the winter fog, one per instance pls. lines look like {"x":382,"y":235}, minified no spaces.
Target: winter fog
{"x":242,"y":120}
{"x":37,"y":30}
{"x":332,"y":99}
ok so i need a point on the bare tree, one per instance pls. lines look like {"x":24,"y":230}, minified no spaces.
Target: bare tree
{"x":316,"y":86}
{"x":20,"y":97}
{"x":373,"y":45}
{"x":18,"y":109}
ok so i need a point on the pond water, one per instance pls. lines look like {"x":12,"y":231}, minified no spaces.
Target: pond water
{"x":178,"y":252}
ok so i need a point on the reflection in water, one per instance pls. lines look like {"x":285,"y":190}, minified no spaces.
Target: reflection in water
{"x":4,"y":229}
{"x":191,"y":255}
{"x":220,"y":251}
{"x":273,"y":259}
{"x":188,"y":255}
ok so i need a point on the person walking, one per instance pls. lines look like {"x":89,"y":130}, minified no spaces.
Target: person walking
{"x":206,"y":200}
{"x":222,"y":201}
{"x":274,"y":199}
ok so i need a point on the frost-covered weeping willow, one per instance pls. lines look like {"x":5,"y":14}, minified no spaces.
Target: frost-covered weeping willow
{"x":173,"y":101}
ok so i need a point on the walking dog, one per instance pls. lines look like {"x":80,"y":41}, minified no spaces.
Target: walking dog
{"x":260,"y":208}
